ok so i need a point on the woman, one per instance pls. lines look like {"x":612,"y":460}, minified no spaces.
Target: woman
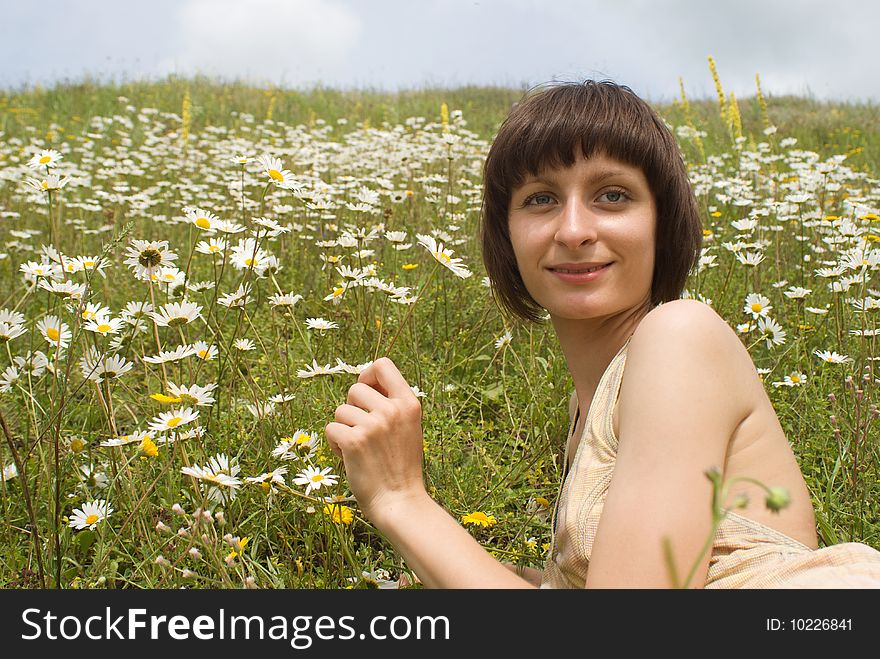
{"x":588,"y":216}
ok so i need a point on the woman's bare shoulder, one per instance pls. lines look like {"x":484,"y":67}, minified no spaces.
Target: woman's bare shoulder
{"x":691,"y":338}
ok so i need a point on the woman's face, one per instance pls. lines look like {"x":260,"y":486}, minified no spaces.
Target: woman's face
{"x":584,"y":238}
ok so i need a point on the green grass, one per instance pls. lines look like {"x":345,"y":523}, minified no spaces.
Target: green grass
{"x":492,"y":444}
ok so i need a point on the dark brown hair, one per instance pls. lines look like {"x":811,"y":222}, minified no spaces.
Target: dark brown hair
{"x":552,"y":127}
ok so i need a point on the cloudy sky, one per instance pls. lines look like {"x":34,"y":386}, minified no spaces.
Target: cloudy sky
{"x":809,"y":47}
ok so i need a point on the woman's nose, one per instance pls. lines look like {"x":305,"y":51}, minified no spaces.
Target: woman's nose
{"x":577,"y":224}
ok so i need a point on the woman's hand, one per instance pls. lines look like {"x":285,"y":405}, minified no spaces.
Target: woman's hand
{"x":378,"y":434}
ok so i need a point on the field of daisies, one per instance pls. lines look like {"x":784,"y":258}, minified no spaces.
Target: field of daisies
{"x":192,"y":275}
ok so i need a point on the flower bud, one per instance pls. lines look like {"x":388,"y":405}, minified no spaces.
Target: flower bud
{"x":188,"y":574}
{"x":859,"y":394}
{"x":230,"y":561}
{"x":161,"y":527}
{"x":250,"y":583}
{"x":777,"y":499}
{"x":205,"y":538}
{"x":741,"y":501}
{"x":832,"y":398}
{"x":183,"y":532}
{"x":177,"y":509}
{"x":195,"y":553}
{"x":206,"y":515}
{"x":228,"y":538}
{"x":833,"y":420}
{"x":161,"y":560}
{"x":220,"y":518}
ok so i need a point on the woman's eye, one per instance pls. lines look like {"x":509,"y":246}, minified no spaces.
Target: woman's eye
{"x":539,"y":199}
{"x":614,"y":196}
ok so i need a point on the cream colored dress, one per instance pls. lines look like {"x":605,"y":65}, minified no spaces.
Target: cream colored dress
{"x":745,"y":553}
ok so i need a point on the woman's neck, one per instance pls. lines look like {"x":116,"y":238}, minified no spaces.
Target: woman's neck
{"x":590,"y":345}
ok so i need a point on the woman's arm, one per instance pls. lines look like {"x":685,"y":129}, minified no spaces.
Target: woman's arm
{"x":378,"y":434}
{"x":681,"y":398}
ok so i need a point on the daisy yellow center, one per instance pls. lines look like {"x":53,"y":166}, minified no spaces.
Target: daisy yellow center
{"x":179,"y":320}
{"x":203,"y":354}
{"x":77,"y":445}
{"x":317,"y":478}
{"x":89,"y":315}
{"x":104,"y":327}
{"x":189,"y":400}
{"x":338,"y":291}
{"x":52,"y":333}
{"x":203,"y":223}
{"x":250,"y":262}
{"x":757,"y":307}
{"x":795,"y":378}
{"x":45,"y":159}
{"x":91,"y":519}
{"x":45,"y":185}
{"x":302,"y":440}
{"x":173,"y":421}
{"x":276,"y":175}
{"x":213,"y":249}
{"x":443,"y":258}
{"x":89,"y":264}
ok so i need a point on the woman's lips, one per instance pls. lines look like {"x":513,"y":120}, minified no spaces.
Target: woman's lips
{"x":574,"y":277}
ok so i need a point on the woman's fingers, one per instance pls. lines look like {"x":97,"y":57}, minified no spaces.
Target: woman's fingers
{"x":351,"y":415}
{"x":384,"y":376}
{"x":365,"y":397}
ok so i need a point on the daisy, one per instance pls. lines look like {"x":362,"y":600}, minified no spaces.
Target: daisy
{"x":9,"y":471}
{"x":45,"y":158}
{"x":64,"y":289}
{"x":95,"y":312}
{"x":204,"y":220}
{"x":104,"y":326}
{"x":750,"y":258}
{"x":180,"y":352}
{"x":11,"y":317}
{"x":314,"y":369}
{"x":33,"y":270}
{"x":100,"y":367}
{"x":229,"y":227}
{"x":832,"y":357}
{"x":54,"y":331}
{"x":194,"y":394}
{"x":10,"y":377}
{"x":247,"y":256}
{"x":146,"y":258}
{"x":797,"y":293}
{"x":503,"y":340}
{"x":85,"y":263}
{"x":347,"y":368}
{"x":301,"y":444}
{"x":771,"y":331}
{"x":34,"y":363}
{"x":320,"y":324}
{"x":122,"y":440}
{"x":444,"y":256}
{"x":244,"y":345}
{"x":211,"y":246}
{"x":9,"y":331}
{"x":284,"y":300}
{"x":274,"y":169}
{"x":757,"y":305}
{"x":220,"y":473}
{"x":169,"y":421}
{"x":237,"y":299}
{"x":793,"y":380}
{"x":175,"y":314}
{"x":51,"y":182}
{"x":315,"y":479}
{"x":90,"y":515}
{"x":269,"y":479}
{"x":92,"y":478}
{"x":204,"y":351}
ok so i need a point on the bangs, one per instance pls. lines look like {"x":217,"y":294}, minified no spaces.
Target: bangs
{"x":567,"y":126}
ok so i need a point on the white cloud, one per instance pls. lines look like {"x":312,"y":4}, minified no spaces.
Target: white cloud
{"x":277,"y":41}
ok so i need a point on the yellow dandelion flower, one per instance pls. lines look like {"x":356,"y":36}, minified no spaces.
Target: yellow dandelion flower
{"x":479,"y":519}
{"x":410,"y":266}
{"x":339,"y":514}
{"x":148,"y":447}
{"x":162,"y":398}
